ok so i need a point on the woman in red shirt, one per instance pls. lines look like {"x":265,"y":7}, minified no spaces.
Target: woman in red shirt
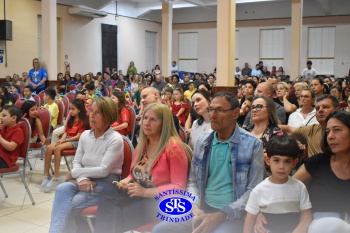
{"x":121,"y":125}
{"x":77,"y":124}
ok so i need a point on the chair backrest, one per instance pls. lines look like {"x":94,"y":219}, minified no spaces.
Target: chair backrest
{"x":19,"y":103}
{"x":66,"y":102}
{"x":182,"y":134}
{"x":41,"y":97}
{"x":128,"y":153}
{"x":27,"y":132}
{"x":188,"y":109}
{"x":132,"y":123}
{"x":45,"y":118}
{"x":72,"y":87}
{"x":107,"y":91}
{"x":70,"y":96}
{"x":15,"y":97}
{"x":37,"y":99}
{"x":60,"y":112}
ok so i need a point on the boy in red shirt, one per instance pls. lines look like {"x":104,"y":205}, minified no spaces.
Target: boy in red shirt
{"x":11,"y":136}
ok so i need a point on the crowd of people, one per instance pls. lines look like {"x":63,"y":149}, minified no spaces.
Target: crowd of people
{"x":274,"y":158}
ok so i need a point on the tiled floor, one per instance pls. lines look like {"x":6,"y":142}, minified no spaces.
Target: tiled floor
{"x":17,"y":214}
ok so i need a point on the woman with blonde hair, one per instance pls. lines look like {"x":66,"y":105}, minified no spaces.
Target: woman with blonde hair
{"x":298,"y":87}
{"x":160,"y":162}
{"x":282,"y":92}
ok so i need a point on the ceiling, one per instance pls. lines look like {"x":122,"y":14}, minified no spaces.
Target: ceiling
{"x":185,"y":11}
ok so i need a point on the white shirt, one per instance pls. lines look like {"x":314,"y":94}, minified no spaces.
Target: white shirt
{"x":297,"y":120}
{"x":268,"y":197}
{"x":309,"y":73}
{"x":98,"y":157}
{"x":198,"y":130}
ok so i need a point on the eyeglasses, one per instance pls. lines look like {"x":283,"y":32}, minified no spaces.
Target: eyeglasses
{"x":304,"y":96}
{"x":218,"y":110}
{"x":257,"y":107}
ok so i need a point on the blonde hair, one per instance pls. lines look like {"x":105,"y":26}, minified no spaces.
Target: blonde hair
{"x":285,"y":85}
{"x":167,"y":136}
{"x":301,"y":84}
{"x":108,"y":109}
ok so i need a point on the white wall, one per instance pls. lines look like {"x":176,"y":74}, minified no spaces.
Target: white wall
{"x":131,"y":42}
{"x":249,"y":36}
{"x":79,"y":38}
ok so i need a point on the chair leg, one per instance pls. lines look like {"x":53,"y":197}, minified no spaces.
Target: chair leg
{"x":29,"y":164}
{"x":67,"y":163}
{"x":27,"y":188}
{"x":3,"y":189}
{"x":91,"y":226}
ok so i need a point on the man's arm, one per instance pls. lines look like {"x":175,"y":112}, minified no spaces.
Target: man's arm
{"x":288,"y":129}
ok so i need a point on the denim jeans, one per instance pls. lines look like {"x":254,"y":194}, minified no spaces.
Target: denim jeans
{"x":69,"y":201}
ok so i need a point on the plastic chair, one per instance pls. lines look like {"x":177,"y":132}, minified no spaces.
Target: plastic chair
{"x":70,"y":96}
{"x":41,"y":98}
{"x":132,"y":123}
{"x":183,"y":135}
{"x":38,"y":100}
{"x":19,"y":103}
{"x":23,"y":153}
{"x":66,"y":102}
{"x":60,"y":112}
{"x":45,"y":118}
{"x":15,"y":97}
{"x":72,"y":87}
{"x":90,"y":212}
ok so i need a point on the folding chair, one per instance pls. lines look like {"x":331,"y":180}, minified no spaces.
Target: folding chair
{"x":38,"y":100}
{"x":66,"y":102}
{"x":132,"y":123}
{"x":15,"y":97}
{"x":45,"y":118}
{"x":70,"y":96}
{"x":72,"y":87}
{"x":182,"y":134}
{"x":41,"y":98}
{"x":24,"y":148}
{"x":90,"y":212}
{"x":19,"y":103}
{"x":60,"y":112}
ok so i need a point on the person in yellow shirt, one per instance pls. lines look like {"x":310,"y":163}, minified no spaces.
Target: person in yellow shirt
{"x":188,"y":94}
{"x":49,"y":97}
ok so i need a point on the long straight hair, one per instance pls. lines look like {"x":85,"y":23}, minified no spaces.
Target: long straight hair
{"x":167,"y":136}
{"x":79,"y":104}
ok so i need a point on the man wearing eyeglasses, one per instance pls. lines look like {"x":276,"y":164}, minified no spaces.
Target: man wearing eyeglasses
{"x":226,"y":165}
{"x":312,"y":134}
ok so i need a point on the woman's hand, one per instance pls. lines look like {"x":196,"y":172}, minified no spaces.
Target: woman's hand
{"x":260,"y":224}
{"x":136,"y":190}
{"x":86,"y":185}
{"x":68,"y":176}
{"x":125,"y":181}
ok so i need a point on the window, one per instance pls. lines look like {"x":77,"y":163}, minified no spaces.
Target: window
{"x":150,"y":49}
{"x":271,"y":47}
{"x":321,"y":49}
{"x":188,"y":46}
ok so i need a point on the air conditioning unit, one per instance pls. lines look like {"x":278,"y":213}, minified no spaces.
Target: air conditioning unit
{"x":91,"y":13}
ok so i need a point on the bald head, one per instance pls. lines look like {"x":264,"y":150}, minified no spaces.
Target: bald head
{"x":265,"y":88}
{"x":150,"y":95}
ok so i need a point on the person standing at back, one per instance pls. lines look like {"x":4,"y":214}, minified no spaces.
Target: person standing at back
{"x":37,"y":76}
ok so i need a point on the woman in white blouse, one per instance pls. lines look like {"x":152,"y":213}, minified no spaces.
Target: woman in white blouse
{"x":306,"y":115}
{"x":200,"y":102}
{"x":97,"y":162}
